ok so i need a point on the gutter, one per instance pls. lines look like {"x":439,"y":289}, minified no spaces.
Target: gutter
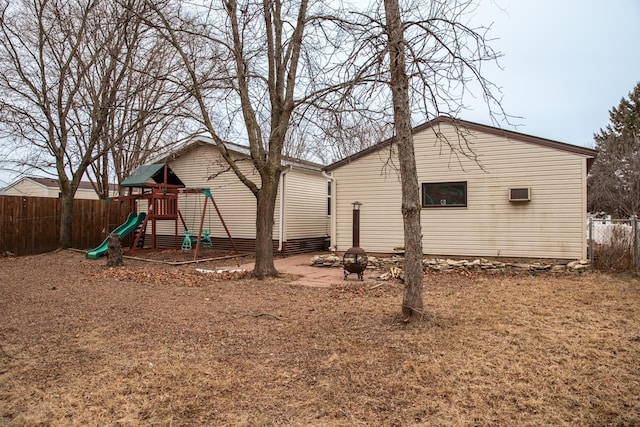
{"x":281,"y":219}
{"x":334,"y":221}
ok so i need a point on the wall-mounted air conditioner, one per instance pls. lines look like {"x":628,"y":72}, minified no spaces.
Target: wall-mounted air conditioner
{"x":521,"y":194}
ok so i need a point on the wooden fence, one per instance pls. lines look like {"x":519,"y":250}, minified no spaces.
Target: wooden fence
{"x":31,"y":225}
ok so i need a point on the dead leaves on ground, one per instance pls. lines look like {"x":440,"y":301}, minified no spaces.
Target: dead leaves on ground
{"x":182,"y":278}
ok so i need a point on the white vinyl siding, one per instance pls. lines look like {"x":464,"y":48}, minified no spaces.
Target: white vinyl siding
{"x":548,"y":226}
{"x":304,"y":189}
{"x":305,"y":205}
{"x":236,"y":202}
{"x":378,"y":189}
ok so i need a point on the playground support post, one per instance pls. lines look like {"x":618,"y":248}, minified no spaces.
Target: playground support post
{"x":222,"y":221}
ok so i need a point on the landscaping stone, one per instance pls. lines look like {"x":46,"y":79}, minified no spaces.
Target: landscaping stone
{"x":439,"y":264}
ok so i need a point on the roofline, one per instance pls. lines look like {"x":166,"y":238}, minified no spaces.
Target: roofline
{"x":36,"y":179}
{"x":56,"y":185}
{"x":509,"y":134}
{"x":31,"y":178}
{"x":236,"y":149}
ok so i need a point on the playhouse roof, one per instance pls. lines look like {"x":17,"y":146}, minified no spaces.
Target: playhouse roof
{"x":144,"y":174}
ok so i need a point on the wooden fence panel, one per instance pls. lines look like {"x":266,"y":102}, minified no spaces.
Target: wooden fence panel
{"x":88,"y":220}
{"x":11,"y":225}
{"x":31,"y":225}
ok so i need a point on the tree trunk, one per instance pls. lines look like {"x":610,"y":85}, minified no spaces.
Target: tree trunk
{"x":66,"y":221}
{"x":114,"y":251}
{"x":411,"y":207}
{"x":266,"y":200}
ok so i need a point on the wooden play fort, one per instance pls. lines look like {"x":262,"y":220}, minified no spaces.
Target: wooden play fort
{"x":153,"y":195}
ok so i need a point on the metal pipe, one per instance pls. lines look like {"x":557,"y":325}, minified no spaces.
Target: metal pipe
{"x":356,"y":229}
{"x":281,"y":219}
{"x":333,"y":219}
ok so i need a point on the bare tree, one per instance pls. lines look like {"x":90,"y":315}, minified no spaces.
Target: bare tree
{"x":430,"y":59}
{"x":335,"y":135}
{"x":150,"y":115}
{"x":278,"y":68}
{"x":411,"y":207}
{"x":63,"y":65}
{"x":264,"y":60}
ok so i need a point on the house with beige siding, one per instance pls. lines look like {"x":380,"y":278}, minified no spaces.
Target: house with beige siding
{"x":48,"y":187}
{"x":485,"y":192}
{"x":301,"y":223}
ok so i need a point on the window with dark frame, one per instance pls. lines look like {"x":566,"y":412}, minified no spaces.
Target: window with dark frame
{"x":444,"y":194}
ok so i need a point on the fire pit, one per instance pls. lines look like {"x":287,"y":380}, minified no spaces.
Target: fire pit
{"x":355,"y":258}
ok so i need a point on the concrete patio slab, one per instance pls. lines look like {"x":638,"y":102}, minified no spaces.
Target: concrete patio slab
{"x":320,"y":277}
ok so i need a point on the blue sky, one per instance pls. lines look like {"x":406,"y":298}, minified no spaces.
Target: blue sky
{"x":566,"y":63}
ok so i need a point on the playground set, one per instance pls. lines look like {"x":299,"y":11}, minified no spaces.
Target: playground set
{"x":160,"y":188}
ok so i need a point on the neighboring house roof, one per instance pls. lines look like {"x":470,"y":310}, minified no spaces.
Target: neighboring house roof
{"x":471,"y":126}
{"x":155,"y":172}
{"x":55,"y":184}
{"x":235,"y":149}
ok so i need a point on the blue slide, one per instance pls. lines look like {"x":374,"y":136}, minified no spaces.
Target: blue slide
{"x":132,"y":222}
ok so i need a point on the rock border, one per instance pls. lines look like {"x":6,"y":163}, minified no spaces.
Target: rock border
{"x":447,"y":264}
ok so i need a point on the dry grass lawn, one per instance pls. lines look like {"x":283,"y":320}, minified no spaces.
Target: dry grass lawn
{"x":85,"y":345}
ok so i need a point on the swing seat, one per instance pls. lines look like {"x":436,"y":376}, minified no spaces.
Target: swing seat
{"x":186,"y":242}
{"x":206,"y":240}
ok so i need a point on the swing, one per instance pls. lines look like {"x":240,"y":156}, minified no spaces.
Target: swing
{"x":206,"y":240}
{"x":189,"y":238}
{"x":186,"y":242}
{"x":206,"y":233}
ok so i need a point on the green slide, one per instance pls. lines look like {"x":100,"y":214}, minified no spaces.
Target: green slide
{"x":132,"y":222}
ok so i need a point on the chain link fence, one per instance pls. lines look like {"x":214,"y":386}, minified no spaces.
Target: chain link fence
{"x":614,"y":244}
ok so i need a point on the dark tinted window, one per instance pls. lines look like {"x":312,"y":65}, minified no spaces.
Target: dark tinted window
{"x":444,"y":194}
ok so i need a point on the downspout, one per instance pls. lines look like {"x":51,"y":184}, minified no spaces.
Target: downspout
{"x":281,"y":219}
{"x":333,"y":219}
